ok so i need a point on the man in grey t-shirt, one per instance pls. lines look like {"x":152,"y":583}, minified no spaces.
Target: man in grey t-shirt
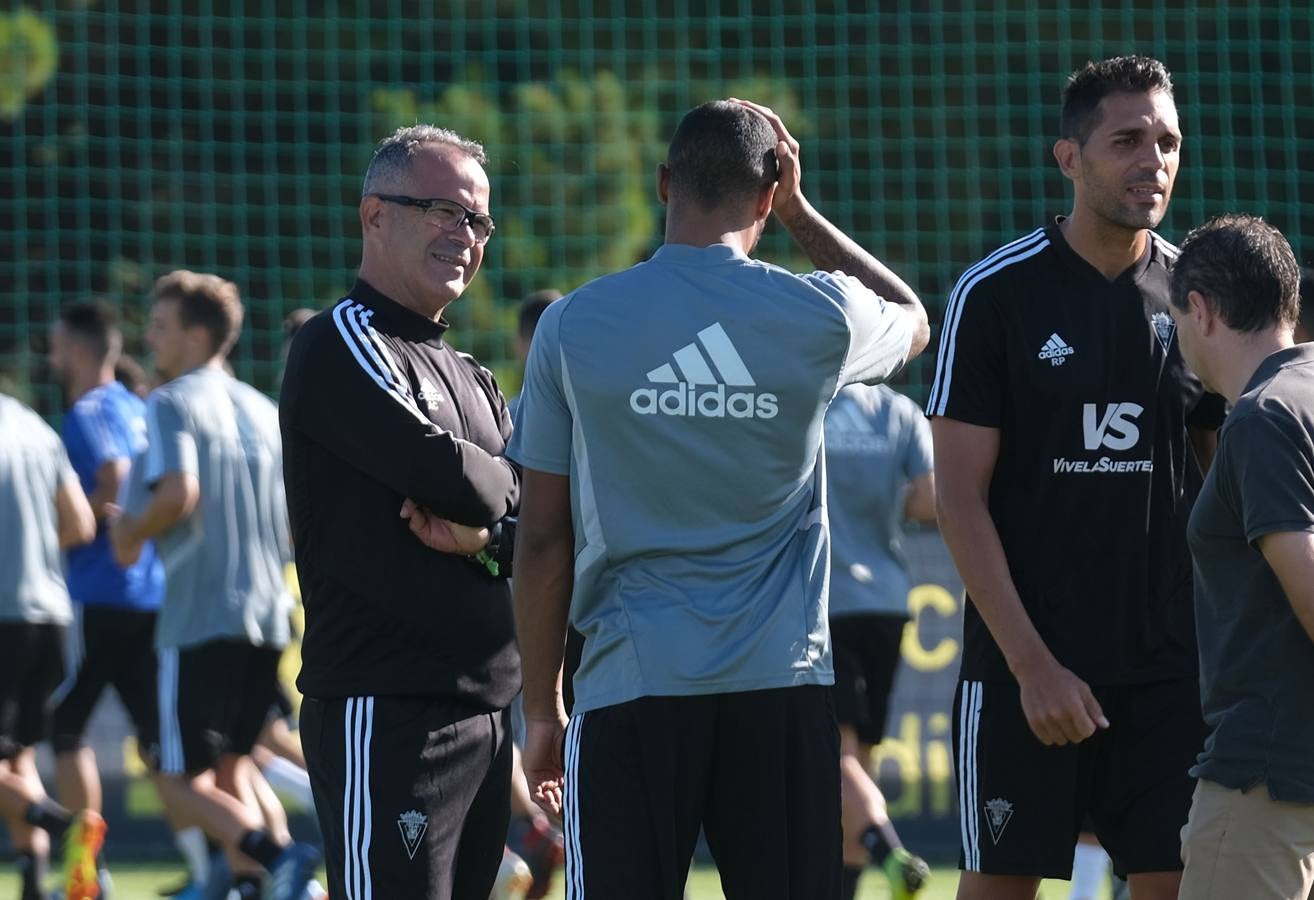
{"x":673,"y":510}
{"x":43,"y":510}
{"x":219,"y":521}
{"x":878,"y":473}
{"x":1251,"y":827}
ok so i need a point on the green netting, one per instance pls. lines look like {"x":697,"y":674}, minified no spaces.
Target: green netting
{"x":231,"y":136}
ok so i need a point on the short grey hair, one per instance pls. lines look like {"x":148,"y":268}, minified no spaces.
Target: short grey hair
{"x":393,"y":157}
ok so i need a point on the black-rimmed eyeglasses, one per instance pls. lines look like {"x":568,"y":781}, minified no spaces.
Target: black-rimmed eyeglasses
{"x":447,"y":214}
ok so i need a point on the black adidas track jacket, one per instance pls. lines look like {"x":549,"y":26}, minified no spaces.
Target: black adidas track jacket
{"x":376,"y":407}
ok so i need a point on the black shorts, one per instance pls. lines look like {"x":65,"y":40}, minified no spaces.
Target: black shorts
{"x":413,"y":795}
{"x":108,"y":646}
{"x":866,"y":649}
{"x":215,"y":699}
{"x":758,"y":770}
{"x":31,"y":667}
{"x":574,"y":653}
{"x":1022,"y":804}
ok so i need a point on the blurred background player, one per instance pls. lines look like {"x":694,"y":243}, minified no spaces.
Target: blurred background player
{"x":878,"y":473}
{"x":535,"y":846}
{"x":112,"y":637}
{"x":216,"y":511}
{"x":42,"y":511}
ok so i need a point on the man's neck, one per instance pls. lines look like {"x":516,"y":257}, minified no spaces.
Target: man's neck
{"x":189,"y":366}
{"x":1111,"y":249}
{"x":379,"y":279}
{"x":1242,"y":356}
{"x":80,"y":383}
{"x":696,"y":228}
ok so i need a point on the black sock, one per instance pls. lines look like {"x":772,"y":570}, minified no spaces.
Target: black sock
{"x":247,"y":886}
{"x":876,"y":845}
{"x":261,"y":847}
{"x":849,"y":882}
{"x":32,"y":870}
{"x":49,"y":816}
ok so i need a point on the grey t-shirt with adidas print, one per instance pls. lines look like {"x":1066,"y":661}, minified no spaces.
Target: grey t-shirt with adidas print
{"x":33,"y":464}
{"x":223,"y":564}
{"x":877,"y":443}
{"x":684,"y":397}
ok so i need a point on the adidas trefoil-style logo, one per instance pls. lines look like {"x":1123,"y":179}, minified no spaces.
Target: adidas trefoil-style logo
{"x":998,"y":812}
{"x":429,"y":394}
{"x":698,"y":391}
{"x":412,"y":825}
{"x":1055,"y":350}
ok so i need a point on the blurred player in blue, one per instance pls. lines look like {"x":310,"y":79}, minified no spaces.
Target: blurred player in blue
{"x":111,"y":640}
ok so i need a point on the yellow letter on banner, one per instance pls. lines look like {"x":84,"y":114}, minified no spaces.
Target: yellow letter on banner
{"x":945,"y":652}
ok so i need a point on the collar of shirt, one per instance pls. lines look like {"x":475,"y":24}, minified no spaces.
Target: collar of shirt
{"x":1078,"y":263}
{"x":689,"y":255}
{"x":392,"y":317}
{"x":1290,"y":356}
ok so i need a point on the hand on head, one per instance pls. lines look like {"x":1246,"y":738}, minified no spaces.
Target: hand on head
{"x":789,"y":173}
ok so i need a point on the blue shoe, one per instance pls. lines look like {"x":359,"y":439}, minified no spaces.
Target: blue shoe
{"x":291,"y":872}
{"x":189,"y":891}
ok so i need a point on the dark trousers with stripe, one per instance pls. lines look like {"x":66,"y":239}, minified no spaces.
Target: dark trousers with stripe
{"x":758,"y":770}
{"x":413,"y":796}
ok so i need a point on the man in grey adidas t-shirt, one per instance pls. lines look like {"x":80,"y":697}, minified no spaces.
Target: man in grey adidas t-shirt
{"x":670,"y":430}
{"x":217,"y":515}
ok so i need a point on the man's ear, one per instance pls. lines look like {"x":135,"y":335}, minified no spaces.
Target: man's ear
{"x":371,"y":213}
{"x":663,"y":183}
{"x":1067,"y":152}
{"x":1205,"y":313}
{"x":765,"y":198}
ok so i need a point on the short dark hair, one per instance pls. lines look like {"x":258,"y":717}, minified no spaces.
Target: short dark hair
{"x":93,"y":324}
{"x":1096,"y":80}
{"x":720,"y":151}
{"x":531,"y":310}
{"x":205,"y":300}
{"x":1244,"y":268}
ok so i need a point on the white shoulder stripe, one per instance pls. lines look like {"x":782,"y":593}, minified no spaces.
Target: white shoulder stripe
{"x":382,"y":348}
{"x":361,"y":347}
{"x":950,"y":306}
{"x":1005,"y":256}
{"x":1168,"y":250}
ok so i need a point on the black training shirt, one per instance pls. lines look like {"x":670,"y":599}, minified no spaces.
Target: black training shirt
{"x":376,"y":407}
{"x":1095,"y":476}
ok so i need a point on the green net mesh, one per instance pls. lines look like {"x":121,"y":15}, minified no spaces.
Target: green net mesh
{"x":230,"y":137}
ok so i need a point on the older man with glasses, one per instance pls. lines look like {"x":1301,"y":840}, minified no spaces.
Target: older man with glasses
{"x":401,"y":504}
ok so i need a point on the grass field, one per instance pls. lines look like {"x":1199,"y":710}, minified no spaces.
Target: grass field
{"x":142,"y":882}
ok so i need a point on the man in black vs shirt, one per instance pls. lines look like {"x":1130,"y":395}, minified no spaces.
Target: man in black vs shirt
{"x":1066,"y":467}
{"x":409,"y":658}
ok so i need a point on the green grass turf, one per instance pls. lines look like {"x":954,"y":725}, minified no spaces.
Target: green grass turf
{"x":137,"y":881}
